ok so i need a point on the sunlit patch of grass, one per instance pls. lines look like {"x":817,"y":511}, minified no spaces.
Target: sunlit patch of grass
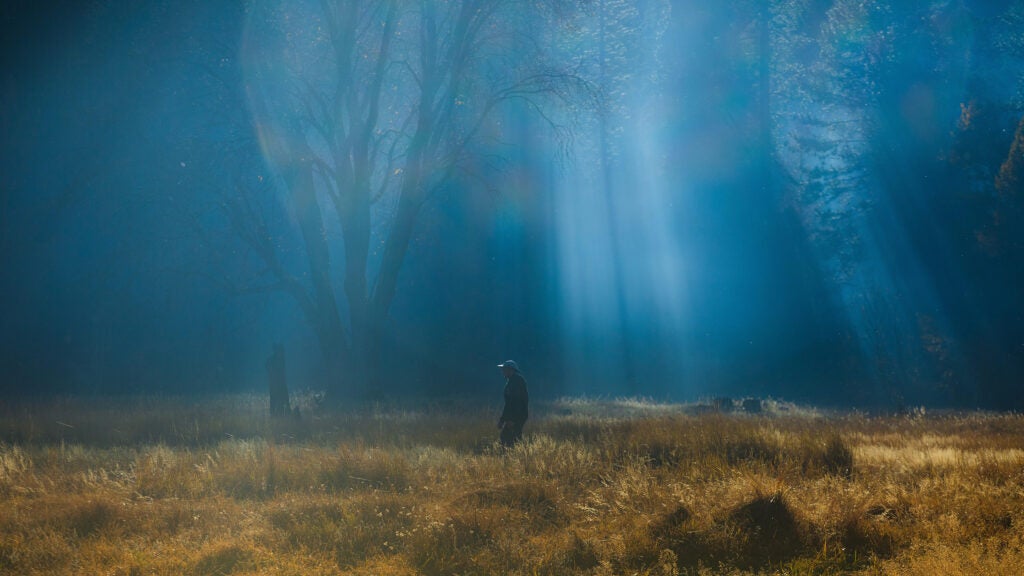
{"x":349,"y":532}
{"x":534,"y":499}
{"x":989,"y":556}
{"x":597,"y":487}
{"x":927,"y":455}
{"x":360,"y":467}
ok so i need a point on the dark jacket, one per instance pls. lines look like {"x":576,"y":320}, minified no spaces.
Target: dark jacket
{"x":517,"y":399}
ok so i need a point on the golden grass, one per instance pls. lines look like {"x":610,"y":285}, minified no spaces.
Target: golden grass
{"x":212,"y":487}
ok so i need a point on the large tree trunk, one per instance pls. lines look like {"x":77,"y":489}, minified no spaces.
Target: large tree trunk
{"x":327,"y":320}
{"x":285,"y":140}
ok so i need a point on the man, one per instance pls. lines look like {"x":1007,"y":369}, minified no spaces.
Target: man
{"x":515,"y":412}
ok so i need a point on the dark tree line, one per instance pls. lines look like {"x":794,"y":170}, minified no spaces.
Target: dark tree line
{"x":891,"y":124}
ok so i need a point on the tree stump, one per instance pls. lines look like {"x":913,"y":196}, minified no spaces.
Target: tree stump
{"x":278,"y":384}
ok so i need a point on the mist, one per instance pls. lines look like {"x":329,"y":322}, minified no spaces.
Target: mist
{"x":812,"y":200}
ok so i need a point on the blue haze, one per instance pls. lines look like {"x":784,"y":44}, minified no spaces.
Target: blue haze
{"x":829,"y":233}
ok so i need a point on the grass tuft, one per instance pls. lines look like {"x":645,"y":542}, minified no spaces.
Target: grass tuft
{"x":766,"y":532}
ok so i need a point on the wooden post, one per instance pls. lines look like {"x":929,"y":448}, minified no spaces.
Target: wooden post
{"x":277,"y":381}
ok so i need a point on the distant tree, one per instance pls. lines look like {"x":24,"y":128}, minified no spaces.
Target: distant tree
{"x":858,"y":141}
{"x":617,"y":22}
{"x":366,"y":111}
{"x":829,"y":60}
{"x":614,"y":45}
{"x":983,"y":196}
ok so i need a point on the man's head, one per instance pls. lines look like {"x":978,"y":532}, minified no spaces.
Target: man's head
{"x":508,"y":368}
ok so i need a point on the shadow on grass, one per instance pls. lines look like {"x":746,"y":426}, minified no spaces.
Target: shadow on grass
{"x":762,"y":534}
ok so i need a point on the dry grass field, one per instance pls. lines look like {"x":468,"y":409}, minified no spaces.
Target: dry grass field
{"x":213,"y":486}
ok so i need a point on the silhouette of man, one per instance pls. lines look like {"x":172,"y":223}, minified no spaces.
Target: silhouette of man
{"x":516,"y":409}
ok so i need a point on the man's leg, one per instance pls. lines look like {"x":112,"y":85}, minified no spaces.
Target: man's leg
{"x":506,"y":434}
{"x":511,"y":433}
{"x":517,"y":432}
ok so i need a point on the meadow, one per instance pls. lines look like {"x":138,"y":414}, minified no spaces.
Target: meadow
{"x":214,"y":486}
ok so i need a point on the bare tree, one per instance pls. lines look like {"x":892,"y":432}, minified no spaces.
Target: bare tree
{"x":366,"y":110}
